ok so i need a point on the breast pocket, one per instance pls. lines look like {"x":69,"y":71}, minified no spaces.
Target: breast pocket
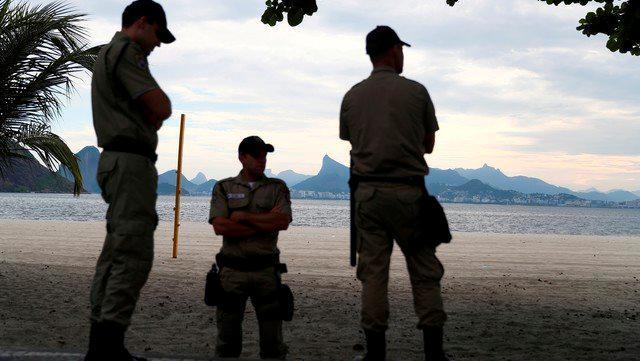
{"x":236,"y":204}
{"x":265,"y":204}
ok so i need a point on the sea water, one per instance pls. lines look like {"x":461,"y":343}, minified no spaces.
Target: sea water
{"x":335,"y":213}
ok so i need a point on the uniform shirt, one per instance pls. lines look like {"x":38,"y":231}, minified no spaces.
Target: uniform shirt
{"x":386,"y":117}
{"x":235,"y":194}
{"x":120,"y":75}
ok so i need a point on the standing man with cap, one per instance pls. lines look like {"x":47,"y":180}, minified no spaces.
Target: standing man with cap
{"x":249,"y":210}
{"x":128,"y":110}
{"x":390,"y":122}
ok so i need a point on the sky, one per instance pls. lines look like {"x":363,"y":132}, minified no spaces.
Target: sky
{"x":514,"y":84}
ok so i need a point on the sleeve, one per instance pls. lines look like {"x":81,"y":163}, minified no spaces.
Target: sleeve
{"x":133,"y":72}
{"x":429,"y":118}
{"x":283,"y":200}
{"x":219,"y":204}
{"x":344,"y":127}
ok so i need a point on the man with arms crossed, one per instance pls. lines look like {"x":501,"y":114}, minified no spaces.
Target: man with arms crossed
{"x":249,"y":210}
{"x":128,"y":109}
{"x":390,"y":122}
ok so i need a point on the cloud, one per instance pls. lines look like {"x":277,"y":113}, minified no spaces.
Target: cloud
{"x":514,"y":84}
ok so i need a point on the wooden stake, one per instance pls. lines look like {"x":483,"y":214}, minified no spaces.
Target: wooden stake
{"x":176,"y":218}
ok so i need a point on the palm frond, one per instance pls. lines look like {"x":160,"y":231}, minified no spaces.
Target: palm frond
{"x":51,"y":150}
{"x":42,"y":52}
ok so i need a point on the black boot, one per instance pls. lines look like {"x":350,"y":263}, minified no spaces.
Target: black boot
{"x":114,"y":350}
{"x":376,"y":346}
{"x":94,"y":351}
{"x":433,"y":351}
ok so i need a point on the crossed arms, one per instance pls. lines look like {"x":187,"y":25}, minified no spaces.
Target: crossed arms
{"x":245,"y":224}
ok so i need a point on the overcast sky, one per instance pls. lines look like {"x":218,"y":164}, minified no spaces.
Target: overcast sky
{"x":514,"y":84}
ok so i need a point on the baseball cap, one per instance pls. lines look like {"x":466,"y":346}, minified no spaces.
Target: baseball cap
{"x":381,"y":39}
{"x":254,"y":145}
{"x":154,"y":11}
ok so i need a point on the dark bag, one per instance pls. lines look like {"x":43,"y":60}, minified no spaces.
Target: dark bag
{"x":436,"y":228}
{"x":213,"y":287}
{"x":285,"y":296}
{"x":285,"y":299}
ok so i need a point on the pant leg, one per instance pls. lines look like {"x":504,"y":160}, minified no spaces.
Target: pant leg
{"x":128,"y":184}
{"x":425,"y":270}
{"x":230,"y":313}
{"x":264,"y":298}
{"x":99,"y":283}
{"x":374,"y":254}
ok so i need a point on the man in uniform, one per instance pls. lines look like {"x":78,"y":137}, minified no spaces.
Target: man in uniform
{"x":391,"y":123}
{"x":128,"y":109}
{"x":249,"y":210}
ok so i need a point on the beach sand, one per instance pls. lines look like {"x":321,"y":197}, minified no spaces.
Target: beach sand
{"x":509,"y":297}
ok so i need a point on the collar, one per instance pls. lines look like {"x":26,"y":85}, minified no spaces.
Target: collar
{"x":239,"y":180}
{"x":383,"y":69}
{"x":120,"y":35}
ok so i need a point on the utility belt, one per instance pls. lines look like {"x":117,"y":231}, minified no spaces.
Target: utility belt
{"x":214,"y":294}
{"x":251,"y":264}
{"x":128,"y":145}
{"x":417,"y":181}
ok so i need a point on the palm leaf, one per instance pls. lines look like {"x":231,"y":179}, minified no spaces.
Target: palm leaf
{"x":51,"y":150}
{"x":42,"y":53}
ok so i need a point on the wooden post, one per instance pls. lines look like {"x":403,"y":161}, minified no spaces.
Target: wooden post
{"x":176,"y":217}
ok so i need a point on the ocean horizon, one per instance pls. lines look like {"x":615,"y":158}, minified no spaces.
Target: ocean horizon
{"x":482,"y":218}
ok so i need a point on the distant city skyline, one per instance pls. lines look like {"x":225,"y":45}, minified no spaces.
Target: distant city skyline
{"x":514,"y":84}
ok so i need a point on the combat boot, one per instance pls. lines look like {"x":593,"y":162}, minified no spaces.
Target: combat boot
{"x":94,"y":351}
{"x":376,"y":346}
{"x":114,"y":350}
{"x":432,"y":337}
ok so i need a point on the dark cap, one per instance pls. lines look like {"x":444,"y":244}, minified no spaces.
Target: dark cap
{"x":154,"y":12}
{"x":381,"y":39}
{"x":254,"y":145}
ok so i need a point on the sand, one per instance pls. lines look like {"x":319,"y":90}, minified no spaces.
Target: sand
{"x":509,"y":297}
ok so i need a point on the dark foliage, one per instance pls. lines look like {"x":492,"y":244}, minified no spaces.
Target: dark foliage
{"x":619,"y":20}
{"x":42,"y":51}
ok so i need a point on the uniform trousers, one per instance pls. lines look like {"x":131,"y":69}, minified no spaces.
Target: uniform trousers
{"x":385,"y":212}
{"x":261,"y":287}
{"x":128,"y":183}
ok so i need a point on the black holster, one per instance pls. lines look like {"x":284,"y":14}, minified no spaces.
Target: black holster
{"x":213,"y":291}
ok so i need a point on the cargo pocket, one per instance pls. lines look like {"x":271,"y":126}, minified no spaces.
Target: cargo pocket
{"x":410,"y":221}
{"x":106,"y":168}
{"x":236,"y":204}
{"x":133,"y":239}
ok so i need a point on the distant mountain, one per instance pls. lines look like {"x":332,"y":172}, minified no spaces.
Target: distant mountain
{"x":612,"y":196}
{"x":444,"y":176}
{"x":475,"y":191}
{"x":205,"y":188}
{"x":199,"y":179}
{"x":333,"y":177}
{"x":530,"y":185}
{"x":88,"y":158}
{"x":495,"y":178}
{"x":288,"y":176}
{"x":636,"y":192}
{"x":28,"y":175}
{"x":292,"y":178}
{"x":169,"y":177}
{"x":168,"y":190}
